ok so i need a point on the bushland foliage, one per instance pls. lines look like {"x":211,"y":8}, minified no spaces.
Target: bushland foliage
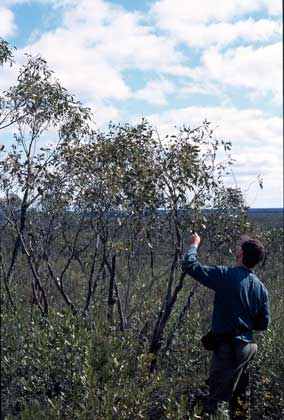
{"x":98,"y":320}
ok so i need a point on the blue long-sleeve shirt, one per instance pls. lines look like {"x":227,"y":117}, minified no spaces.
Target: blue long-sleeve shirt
{"x":241,"y":302}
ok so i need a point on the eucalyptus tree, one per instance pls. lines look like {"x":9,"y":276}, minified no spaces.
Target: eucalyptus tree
{"x":115,"y":179}
{"x":6,"y":52}
{"x":106,"y":201}
{"x":121,"y":177}
{"x":192,"y":178}
{"x":35,"y":107}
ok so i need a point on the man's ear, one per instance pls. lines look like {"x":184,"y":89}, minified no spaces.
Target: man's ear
{"x":240,"y":254}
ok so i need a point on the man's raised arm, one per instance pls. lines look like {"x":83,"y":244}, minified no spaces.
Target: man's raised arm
{"x":208,"y":275}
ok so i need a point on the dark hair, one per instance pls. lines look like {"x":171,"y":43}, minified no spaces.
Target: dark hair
{"x":253,"y":252}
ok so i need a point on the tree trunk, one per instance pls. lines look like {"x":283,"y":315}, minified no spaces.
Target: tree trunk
{"x":162,"y":320}
{"x":111,"y":298}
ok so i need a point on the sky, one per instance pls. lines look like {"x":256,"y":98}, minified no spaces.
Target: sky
{"x":174,"y":62}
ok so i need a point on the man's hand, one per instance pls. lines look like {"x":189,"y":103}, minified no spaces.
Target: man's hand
{"x":194,"y":240}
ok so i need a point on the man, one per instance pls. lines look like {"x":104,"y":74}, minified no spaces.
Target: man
{"x":241,"y":305}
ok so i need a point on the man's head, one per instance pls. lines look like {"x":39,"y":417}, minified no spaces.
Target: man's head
{"x":252,"y":251}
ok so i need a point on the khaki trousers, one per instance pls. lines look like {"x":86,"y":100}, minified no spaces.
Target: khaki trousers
{"x":228,"y":363}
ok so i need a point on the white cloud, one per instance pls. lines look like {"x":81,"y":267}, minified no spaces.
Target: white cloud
{"x":104,"y":113}
{"x":97,"y":42}
{"x":201,"y":88}
{"x":13,"y":2}
{"x":170,"y":13}
{"x":119,"y":36}
{"x":259,"y":69}
{"x":7,"y":23}
{"x":200,"y":35}
{"x":80,"y":68}
{"x":218,"y":22}
{"x":155,"y":92}
{"x":249,"y":126}
{"x":256,"y":139}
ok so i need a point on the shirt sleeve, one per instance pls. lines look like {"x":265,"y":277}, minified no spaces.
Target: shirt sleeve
{"x":208,"y":275}
{"x":263,"y":317}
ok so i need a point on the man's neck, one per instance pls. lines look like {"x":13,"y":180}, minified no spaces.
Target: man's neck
{"x":244,"y":266}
